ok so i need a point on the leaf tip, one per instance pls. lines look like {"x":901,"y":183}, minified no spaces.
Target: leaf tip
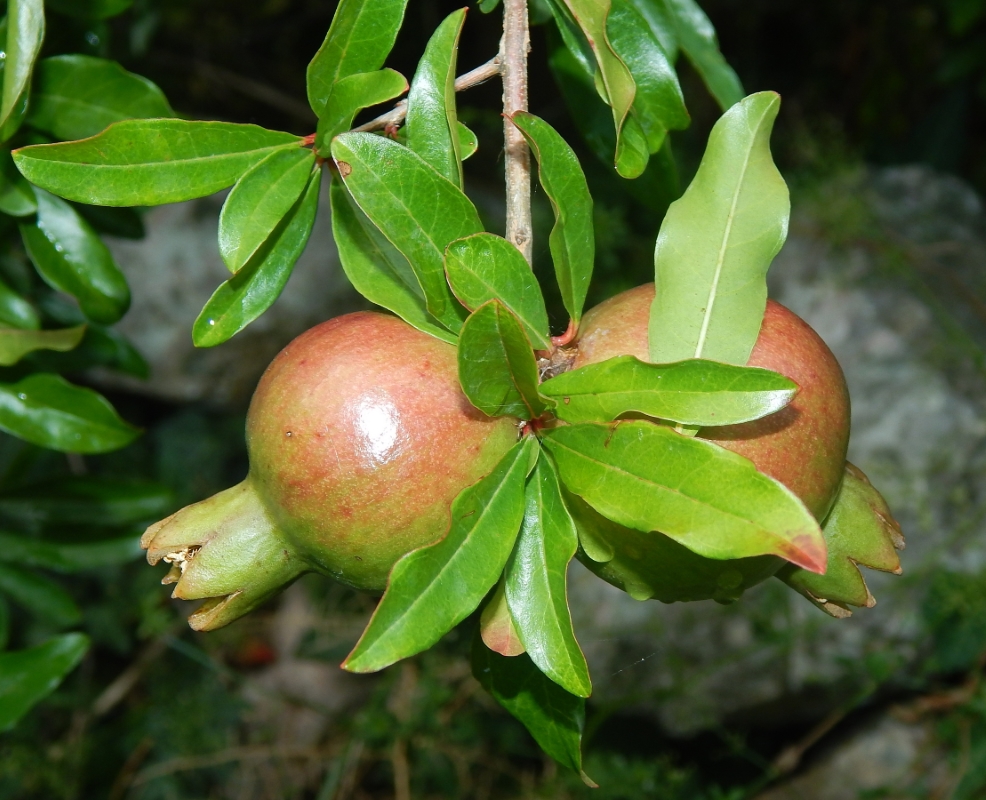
{"x":807,"y":551}
{"x":587,"y":780}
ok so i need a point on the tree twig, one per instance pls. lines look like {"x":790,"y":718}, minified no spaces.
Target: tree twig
{"x":514,"y":47}
{"x":474,"y":77}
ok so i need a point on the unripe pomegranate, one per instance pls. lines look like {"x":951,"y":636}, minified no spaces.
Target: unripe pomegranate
{"x":359,"y":438}
{"x":803,"y":446}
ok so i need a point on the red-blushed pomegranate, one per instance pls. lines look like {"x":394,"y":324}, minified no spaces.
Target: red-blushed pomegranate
{"x":803,"y":446}
{"x":359,"y":439}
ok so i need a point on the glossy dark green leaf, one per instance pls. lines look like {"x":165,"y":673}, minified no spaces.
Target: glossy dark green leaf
{"x":16,"y":195}
{"x":688,"y":392}
{"x":419,"y":211}
{"x":86,"y":500}
{"x":432,"y":125}
{"x":497,"y":369}
{"x":71,"y":257}
{"x":39,"y":595}
{"x":486,"y":6}
{"x":711,"y":500}
{"x":25,"y":33}
{"x":150,"y":162}
{"x":661,"y":21}
{"x":91,"y":9}
{"x":15,"y":311}
{"x":259,"y":202}
{"x":434,"y":588}
{"x":485,"y":267}
{"x":496,"y":626}
{"x":68,"y":558}
{"x":49,"y":411}
{"x":350,"y":96}
{"x":376,"y":268}
{"x":258,"y":283}
{"x":717,"y":241}
{"x":75,"y":96}
{"x":697,"y":37}
{"x":468,"y":142}
{"x":554,"y":717}
{"x":28,"y":552}
{"x":859,"y":531}
{"x":28,"y":676}
{"x":536,"y":583}
{"x":572,"y":241}
{"x":15,"y":343}
{"x":658,"y":102}
{"x":359,"y":40}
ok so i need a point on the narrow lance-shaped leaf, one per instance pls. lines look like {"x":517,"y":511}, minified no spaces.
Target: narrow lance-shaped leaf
{"x":75,"y":96}
{"x":15,"y":311}
{"x":658,"y":102}
{"x":350,"y":96}
{"x":25,"y":32}
{"x":71,"y":257}
{"x":697,"y":37}
{"x":554,"y":717}
{"x":486,"y":267}
{"x":690,"y":392}
{"x":40,"y":596}
{"x":536,"y":583}
{"x":359,"y":40}
{"x":432,"y":129}
{"x":434,"y":588}
{"x":28,"y":676}
{"x":252,"y":290}
{"x":497,"y":369}
{"x":16,"y":194}
{"x":150,"y":162}
{"x":496,"y":627}
{"x":572,"y":240}
{"x":717,"y":241}
{"x":419,"y":211}
{"x":259,"y":201}
{"x":49,"y":411}
{"x":713,"y":501}
{"x":377,"y":270}
{"x":15,"y":343}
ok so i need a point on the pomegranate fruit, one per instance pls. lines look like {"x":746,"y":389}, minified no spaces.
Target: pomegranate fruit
{"x":359,"y":438}
{"x":803,"y":446}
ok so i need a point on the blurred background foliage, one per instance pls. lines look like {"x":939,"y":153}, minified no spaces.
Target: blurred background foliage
{"x":155,"y":711}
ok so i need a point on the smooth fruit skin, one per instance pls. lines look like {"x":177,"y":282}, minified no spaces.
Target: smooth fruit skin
{"x":803,"y":446}
{"x":360,"y":438}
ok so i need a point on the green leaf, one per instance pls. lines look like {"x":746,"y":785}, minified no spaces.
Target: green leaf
{"x":536,"y":578}
{"x":16,"y":195}
{"x":553,"y":717}
{"x":49,"y":411}
{"x":468,"y":142}
{"x":359,"y":40}
{"x":28,"y":676}
{"x":41,"y":596}
{"x":661,"y":21}
{"x":350,"y":96}
{"x":4,"y":623}
{"x":69,"y":558}
{"x":25,"y":33}
{"x":572,"y":241}
{"x":658,"y":102}
{"x":497,"y":369}
{"x":617,"y":83}
{"x":496,"y":626}
{"x":691,"y":392}
{"x":485,"y":267}
{"x":697,"y":37}
{"x":86,"y":500}
{"x":150,"y":162}
{"x":419,"y":211}
{"x":434,"y":588}
{"x":258,"y":283}
{"x":27,"y":552}
{"x":713,"y":501}
{"x":16,"y":343}
{"x":71,"y":257}
{"x":91,"y":9}
{"x":716,"y":243}
{"x":432,"y":125}
{"x":76,"y":96}
{"x":859,"y":531}
{"x":15,"y":311}
{"x":486,"y":6}
{"x":376,"y":268}
{"x":259,"y":201}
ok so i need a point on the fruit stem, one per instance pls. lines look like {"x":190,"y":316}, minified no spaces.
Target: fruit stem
{"x":514,"y":47}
